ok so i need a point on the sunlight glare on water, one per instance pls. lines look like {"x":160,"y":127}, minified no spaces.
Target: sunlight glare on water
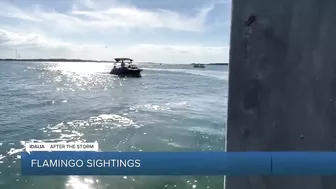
{"x":171,"y":108}
{"x":76,"y":182}
{"x":82,"y":68}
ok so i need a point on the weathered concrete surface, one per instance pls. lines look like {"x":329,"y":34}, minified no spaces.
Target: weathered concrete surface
{"x":282,"y":84}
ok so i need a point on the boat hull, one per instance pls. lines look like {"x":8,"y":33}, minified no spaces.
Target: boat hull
{"x":126,"y":72}
{"x":199,"y":66}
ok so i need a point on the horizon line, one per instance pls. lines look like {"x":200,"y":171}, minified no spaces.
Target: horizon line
{"x":87,"y":60}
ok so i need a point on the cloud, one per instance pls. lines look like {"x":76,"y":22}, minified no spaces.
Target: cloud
{"x":38,"y":46}
{"x":181,"y":53}
{"x":42,"y":32}
{"x":24,"y":39}
{"x":88,"y":14}
{"x":10,"y":11}
{"x":116,"y":14}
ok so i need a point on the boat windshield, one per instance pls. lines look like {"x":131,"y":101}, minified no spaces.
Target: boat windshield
{"x":124,"y":62}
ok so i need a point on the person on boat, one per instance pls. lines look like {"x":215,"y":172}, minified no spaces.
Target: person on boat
{"x":122,"y":64}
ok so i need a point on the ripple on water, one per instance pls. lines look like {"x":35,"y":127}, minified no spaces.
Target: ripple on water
{"x":74,"y":131}
{"x":169,"y":106}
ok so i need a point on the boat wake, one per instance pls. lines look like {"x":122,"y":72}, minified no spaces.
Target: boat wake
{"x":221,"y":75}
{"x":159,"y":107}
{"x":73,"y":131}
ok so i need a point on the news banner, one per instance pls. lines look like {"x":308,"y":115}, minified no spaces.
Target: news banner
{"x":86,"y":159}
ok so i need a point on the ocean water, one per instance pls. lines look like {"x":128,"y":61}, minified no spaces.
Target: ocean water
{"x":171,"y":108}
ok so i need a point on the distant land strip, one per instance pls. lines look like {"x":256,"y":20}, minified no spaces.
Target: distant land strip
{"x":212,"y":63}
{"x":81,"y":60}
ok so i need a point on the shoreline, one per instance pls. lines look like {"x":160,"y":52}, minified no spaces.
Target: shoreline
{"x":83,"y":60}
{"x":216,"y":64}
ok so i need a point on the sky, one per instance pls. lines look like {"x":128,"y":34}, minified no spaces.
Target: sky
{"x":165,"y":31}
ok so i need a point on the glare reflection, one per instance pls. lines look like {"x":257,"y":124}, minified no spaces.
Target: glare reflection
{"x":82,"y":68}
{"x":77,"y":76}
{"x":76,"y":182}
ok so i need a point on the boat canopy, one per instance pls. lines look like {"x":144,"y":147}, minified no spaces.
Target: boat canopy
{"x":123,"y":59}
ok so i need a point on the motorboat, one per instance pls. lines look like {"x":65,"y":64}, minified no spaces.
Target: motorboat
{"x":124,"y":67}
{"x":199,"y":66}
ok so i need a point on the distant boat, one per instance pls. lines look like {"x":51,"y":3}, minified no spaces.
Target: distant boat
{"x":199,"y":66}
{"x":123,"y":70}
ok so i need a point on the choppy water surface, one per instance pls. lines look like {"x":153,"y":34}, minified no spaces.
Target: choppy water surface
{"x":171,"y":108}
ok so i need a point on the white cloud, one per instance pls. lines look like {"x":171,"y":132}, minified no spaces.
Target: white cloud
{"x":114,"y":14}
{"x":10,"y":11}
{"x":27,"y":39}
{"x":38,"y":46}
{"x":38,"y":33}
{"x":181,"y":53}
{"x":87,"y":14}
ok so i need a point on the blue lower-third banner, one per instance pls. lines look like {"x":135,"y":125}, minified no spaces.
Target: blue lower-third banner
{"x":143,"y":163}
{"x":178,"y":163}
